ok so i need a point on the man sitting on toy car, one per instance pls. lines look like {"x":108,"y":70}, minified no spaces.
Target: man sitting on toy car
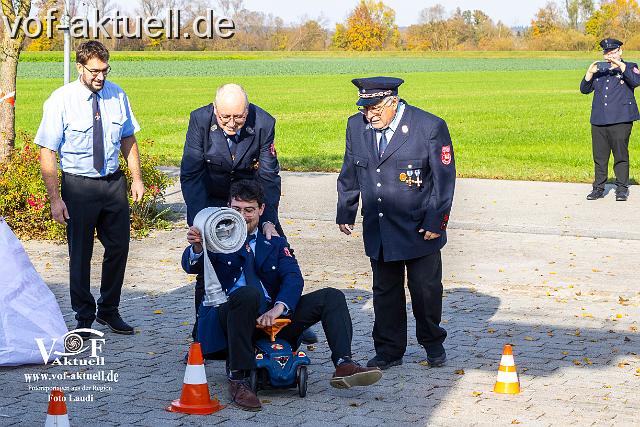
{"x":261,"y":288}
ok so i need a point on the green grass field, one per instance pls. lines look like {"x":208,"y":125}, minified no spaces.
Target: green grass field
{"x":513,"y":115}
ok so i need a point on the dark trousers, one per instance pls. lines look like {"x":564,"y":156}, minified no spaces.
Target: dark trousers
{"x":238,"y":319}
{"x":606,"y":140}
{"x":424,"y":279}
{"x":199,"y":289}
{"x":96,"y":205}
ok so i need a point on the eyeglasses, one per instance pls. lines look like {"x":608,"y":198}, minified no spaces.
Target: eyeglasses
{"x":237,"y":118}
{"x":96,"y":73}
{"x":375,"y":111}
{"x":250,"y":210}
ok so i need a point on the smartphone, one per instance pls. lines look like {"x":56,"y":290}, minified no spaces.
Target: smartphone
{"x":603,"y":66}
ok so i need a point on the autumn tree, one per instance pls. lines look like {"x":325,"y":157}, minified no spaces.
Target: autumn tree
{"x":547,"y":20}
{"x":370,"y":26}
{"x":615,"y":18}
{"x":15,"y":12}
{"x":578,"y":11}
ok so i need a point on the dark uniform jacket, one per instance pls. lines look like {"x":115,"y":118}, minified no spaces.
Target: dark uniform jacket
{"x":207,"y":170}
{"x":613,"y":100}
{"x":278,"y":271}
{"x":392,"y":211}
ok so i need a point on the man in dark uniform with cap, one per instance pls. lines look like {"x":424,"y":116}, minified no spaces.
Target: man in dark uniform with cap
{"x":399,"y":159}
{"x":613,"y":112}
{"x":230,"y":140}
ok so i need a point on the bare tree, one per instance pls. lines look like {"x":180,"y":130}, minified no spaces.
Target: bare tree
{"x":10,"y":48}
{"x":435,"y":13}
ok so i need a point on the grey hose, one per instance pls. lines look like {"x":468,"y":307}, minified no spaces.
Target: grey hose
{"x":224,"y":231}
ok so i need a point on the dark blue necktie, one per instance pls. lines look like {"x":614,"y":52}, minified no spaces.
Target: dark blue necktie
{"x":98,"y":137}
{"x":383,"y":143}
{"x":250,"y":276}
{"x":232,"y":141}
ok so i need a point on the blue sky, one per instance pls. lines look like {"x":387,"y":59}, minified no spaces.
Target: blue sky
{"x":510,"y":12}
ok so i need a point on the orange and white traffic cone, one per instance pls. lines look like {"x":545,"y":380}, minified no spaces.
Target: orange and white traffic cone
{"x":195,"y":398}
{"x":8,"y":97}
{"x":57,"y":411}
{"x":508,"y":382}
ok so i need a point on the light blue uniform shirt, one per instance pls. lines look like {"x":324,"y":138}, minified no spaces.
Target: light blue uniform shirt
{"x":194,"y":257}
{"x":67,"y":126}
{"x":391,"y":129}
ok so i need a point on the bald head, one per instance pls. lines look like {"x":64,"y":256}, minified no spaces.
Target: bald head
{"x":231,"y":95}
{"x":231,"y":107}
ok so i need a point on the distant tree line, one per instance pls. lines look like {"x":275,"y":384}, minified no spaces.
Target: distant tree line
{"x":370,"y":26}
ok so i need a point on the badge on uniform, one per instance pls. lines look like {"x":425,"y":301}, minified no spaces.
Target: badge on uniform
{"x":250,"y":130}
{"x":213,"y":128}
{"x":255,"y":164}
{"x":272,"y":149}
{"x":635,"y":70}
{"x":445,"y":156}
{"x":287,"y":252}
{"x":405,"y":128}
{"x":408,"y":179}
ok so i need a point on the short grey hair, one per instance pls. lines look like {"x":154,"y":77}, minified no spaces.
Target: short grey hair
{"x":224,"y":89}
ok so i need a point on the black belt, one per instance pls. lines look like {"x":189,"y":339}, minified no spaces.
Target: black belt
{"x":111,"y":177}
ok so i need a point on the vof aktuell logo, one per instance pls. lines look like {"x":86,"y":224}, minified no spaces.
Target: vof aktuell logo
{"x":77,"y":351}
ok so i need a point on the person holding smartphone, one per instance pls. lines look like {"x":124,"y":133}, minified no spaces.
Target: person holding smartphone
{"x":613,"y":111}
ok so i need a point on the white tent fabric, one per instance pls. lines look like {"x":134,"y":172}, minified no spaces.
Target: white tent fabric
{"x":28,"y":309}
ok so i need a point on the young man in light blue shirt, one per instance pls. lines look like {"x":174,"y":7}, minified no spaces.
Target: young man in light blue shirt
{"x":87,"y":123}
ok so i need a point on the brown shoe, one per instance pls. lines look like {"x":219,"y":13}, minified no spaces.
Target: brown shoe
{"x":242,"y":396}
{"x":351,"y":374}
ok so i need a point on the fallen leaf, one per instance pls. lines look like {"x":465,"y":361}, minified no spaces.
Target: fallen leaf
{"x":577,"y":332}
{"x":150,"y":353}
{"x":595,"y":270}
{"x":606,"y":386}
{"x":185,"y":323}
{"x":359,"y":298}
{"x":157,"y":312}
{"x":355,"y":404}
{"x":459,"y":371}
{"x":423,"y":363}
{"x":524,"y":369}
{"x":311,"y":347}
{"x":565,"y":352}
{"x":623,"y":364}
{"x":515,"y":422}
{"x":587,"y":315}
{"x":491,"y":330}
{"x":577,"y":362}
{"x":528,"y":338}
{"x":587,"y":361}
{"x":476,"y":393}
{"x":619,"y":316}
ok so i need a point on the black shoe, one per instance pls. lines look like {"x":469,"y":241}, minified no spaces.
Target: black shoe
{"x":84,"y":324}
{"x":437,"y":361}
{"x":622,"y":195}
{"x":379,"y":362}
{"x":309,"y":337}
{"x":115,"y":323}
{"x":595,"y":194}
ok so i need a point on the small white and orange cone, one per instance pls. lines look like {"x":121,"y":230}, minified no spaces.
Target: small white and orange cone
{"x":195,"y":398}
{"x":57,"y":411}
{"x":8,"y":97}
{"x":508,"y":382}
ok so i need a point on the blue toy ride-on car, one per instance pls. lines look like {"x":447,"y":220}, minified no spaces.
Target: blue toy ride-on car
{"x":277,"y":365}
